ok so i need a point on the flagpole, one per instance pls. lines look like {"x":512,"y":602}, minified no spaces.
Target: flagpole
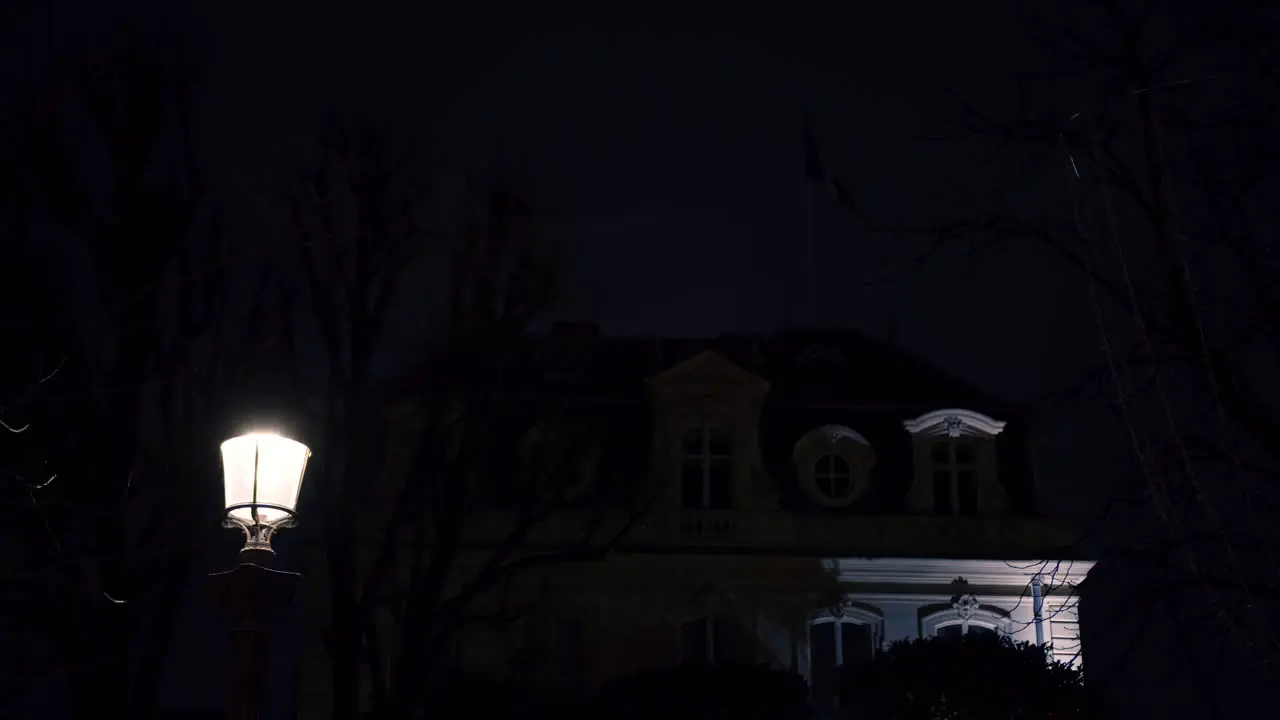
{"x":813,"y":289}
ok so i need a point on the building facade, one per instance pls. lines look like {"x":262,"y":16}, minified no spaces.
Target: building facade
{"x":814,"y":497}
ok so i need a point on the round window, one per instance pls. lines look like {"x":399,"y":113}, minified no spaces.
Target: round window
{"x":833,"y":477}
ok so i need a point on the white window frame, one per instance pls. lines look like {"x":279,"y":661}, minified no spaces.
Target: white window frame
{"x":980,"y":617}
{"x":847,"y":616}
{"x":705,"y":458}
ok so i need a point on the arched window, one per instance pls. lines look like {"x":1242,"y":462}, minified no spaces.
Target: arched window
{"x":706,"y":469}
{"x":556,"y":645}
{"x":965,"y":617}
{"x":848,"y":637}
{"x":710,"y":640}
{"x":958,"y":629}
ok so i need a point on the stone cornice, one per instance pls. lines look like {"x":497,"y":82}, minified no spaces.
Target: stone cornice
{"x":937,"y":571}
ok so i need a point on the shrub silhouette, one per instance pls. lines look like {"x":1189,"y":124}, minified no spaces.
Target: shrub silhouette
{"x":972,"y":676}
{"x":741,"y":692}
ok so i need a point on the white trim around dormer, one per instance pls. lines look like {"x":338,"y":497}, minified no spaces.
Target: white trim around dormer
{"x":954,"y":422}
{"x":940,"y":571}
{"x":835,"y":433}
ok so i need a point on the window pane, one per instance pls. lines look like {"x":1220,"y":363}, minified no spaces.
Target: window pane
{"x":691,"y":484}
{"x":691,"y":442}
{"x":831,"y":473}
{"x":839,"y":466}
{"x":831,"y":465}
{"x":834,"y":487}
{"x":942,"y":492}
{"x":731,"y":644}
{"x":719,"y":442}
{"x":951,"y":630}
{"x":570,"y":646}
{"x":964,"y":454}
{"x":840,"y":486}
{"x":940,"y":454}
{"x":822,"y":661}
{"x":856,"y":643}
{"x":693,"y":637}
{"x":981,"y":630}
{"x":967,"y":490}
{"x":720,"y":480}
{"x":537,"y":632}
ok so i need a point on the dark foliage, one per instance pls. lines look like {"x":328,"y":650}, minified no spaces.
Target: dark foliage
{"x":977,"y":676}
{"x":742,"y":692}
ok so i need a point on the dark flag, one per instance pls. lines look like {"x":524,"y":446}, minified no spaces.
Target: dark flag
{"x":813,"y":167}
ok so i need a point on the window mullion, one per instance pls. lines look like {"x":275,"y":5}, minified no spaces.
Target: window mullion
{"x":706,"y":468}
{"x":838,"y":625}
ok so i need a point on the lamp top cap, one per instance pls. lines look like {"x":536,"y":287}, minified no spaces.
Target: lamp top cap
{"x":260,"y":435}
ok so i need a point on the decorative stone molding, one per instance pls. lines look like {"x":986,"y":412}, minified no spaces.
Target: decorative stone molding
{"x":950,"y":430}
{"x":820,"y":355}
{"x":969,"y":613}
{"x":708,"y":373}
{"x":835,"y":433}
{"x":965,"y":606}
{"x":937,"y":571}
{"x":859,"y":613}
{"x":954,"y":422}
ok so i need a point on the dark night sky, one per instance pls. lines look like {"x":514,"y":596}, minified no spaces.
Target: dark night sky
{"x":671,"y":140}
{"x":671,"y":143}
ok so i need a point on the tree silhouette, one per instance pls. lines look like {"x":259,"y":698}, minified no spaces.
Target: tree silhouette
{"x":114,"y":280}
{"x":963,"y":677}
{"x":404,"y":482}
{"x":1156,"y":129}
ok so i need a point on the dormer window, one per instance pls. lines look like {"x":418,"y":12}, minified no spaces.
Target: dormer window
{"x":955,"y":483}
{"x":955,"y":461}
{"x":706,"y":469}
{"x":833,"y":477}
{"x":832,"y":464}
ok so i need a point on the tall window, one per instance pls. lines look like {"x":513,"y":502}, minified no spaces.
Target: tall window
{"x":834,"y":643}
{"x":706,"y":641}
{"x":955,"y":485}
{"x":558,"y":642}
{"x":706,"y":469}
{"x":832,"y":475}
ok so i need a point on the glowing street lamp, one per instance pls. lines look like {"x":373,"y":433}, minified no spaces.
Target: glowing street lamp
{"x":262,"y":476}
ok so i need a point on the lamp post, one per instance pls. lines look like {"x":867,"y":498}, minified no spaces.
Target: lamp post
{"x":262,"y":476}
